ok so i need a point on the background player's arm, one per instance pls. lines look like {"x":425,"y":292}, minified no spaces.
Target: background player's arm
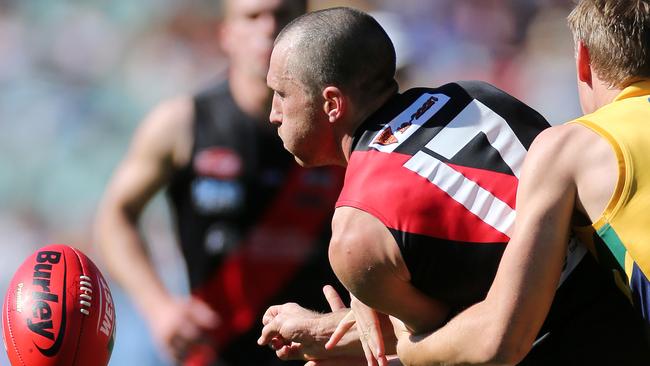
{"x":366,"y":259}
{"x":502,"y":328}
{"x":161,"y":143}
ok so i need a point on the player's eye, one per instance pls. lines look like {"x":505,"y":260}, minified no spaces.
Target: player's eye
{"x":253,"y":16}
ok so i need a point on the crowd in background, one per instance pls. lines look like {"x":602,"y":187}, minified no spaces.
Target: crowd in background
{"x":76,"y":77}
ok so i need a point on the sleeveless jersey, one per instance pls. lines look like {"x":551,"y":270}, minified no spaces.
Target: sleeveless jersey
{"x":440,"y":167}
{"x":253,"y":226}
{"x":620,"y":238}
{"x":443,"y":170}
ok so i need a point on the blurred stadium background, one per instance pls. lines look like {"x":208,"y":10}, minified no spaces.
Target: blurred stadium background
{"x":76,"y":77}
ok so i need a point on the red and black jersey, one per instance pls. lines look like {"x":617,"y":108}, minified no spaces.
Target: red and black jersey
{"x":440,"y":167}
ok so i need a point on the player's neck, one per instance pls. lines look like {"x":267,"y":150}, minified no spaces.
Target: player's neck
{"x":604,"y":94}
{"x":358,"y":117}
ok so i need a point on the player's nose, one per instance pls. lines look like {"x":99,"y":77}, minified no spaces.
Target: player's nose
{"x":275,"y":117}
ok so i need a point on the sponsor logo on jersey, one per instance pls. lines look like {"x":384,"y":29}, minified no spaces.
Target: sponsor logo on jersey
{"x":41,"y":323}
{"x":213,"y":196}
{"x":386,"y":137}
{"x":218,"y":162}
{"x":408,"y":122}
{"x":405,"y":126}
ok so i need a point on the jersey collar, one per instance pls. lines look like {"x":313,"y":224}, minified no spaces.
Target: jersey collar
{"x":637,"y":89}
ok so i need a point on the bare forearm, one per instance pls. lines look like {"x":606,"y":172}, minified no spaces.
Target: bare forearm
{"x":501,"y":329}
{"x":457,"y":343}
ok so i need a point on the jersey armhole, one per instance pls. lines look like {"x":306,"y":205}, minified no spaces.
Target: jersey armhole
{"x":622,"y":189}
{"x":366,"y":208}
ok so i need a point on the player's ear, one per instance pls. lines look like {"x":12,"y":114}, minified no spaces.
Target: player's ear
{"x":583,"y":64}
{"x":334,"y":104}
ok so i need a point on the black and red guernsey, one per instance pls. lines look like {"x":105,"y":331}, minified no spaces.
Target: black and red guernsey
{"x":442,"y":175}
{"x":439,"y":168}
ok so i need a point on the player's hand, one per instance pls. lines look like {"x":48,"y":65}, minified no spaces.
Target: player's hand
{"x":333,"y":299}
{"x":180,"y":324}
{"x":369,"y":328}
{"x":291,"y":331}
{"x":296,"y":333}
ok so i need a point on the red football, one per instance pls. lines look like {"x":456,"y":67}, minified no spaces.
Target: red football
{"x":59,"y":311}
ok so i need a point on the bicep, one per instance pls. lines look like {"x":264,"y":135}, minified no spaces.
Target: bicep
{"x":366,"y":259}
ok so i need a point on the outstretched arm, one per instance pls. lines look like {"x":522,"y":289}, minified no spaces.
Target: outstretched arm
{"x":502,"y":328}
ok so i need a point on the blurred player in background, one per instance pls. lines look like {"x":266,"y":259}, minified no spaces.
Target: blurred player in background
{"x":590,"y":176}
{"x":252,"y":224}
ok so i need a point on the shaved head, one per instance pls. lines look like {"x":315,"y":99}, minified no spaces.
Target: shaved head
{"x":343,"y":47}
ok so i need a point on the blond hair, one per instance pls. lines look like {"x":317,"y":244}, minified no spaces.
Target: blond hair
{"x":617,"y":35}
